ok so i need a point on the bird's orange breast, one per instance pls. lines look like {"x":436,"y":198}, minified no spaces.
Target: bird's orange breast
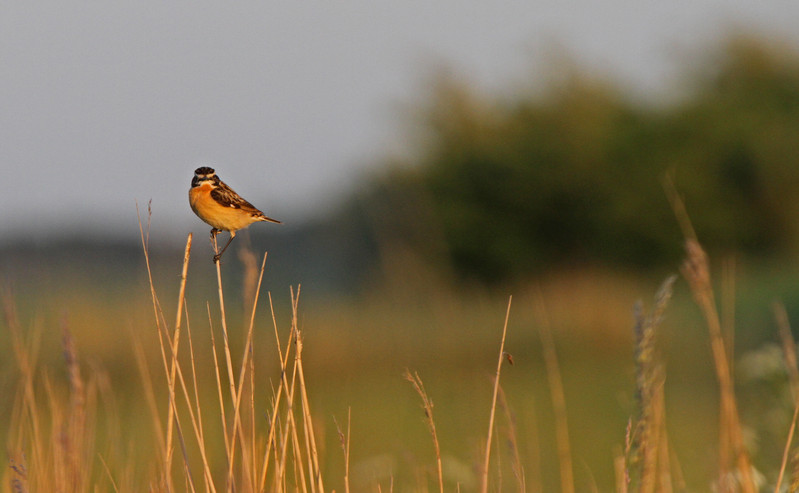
{"x":216,"y":214}
{"x":199,"y":198}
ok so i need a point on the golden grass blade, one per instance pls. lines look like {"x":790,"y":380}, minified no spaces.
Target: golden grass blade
{"x":664,"y":451}
{"x":696,"y":270}
{"x":427,"y":405}
{"x":316,"y":471}
{"x":620,"y":470}
{"x":345,"y":447}
{"x":558,"y":399}
{"x":58,"y":472}
{"x":678,"y":206}
{"x":646,"y":435}
{"x":240,"y":385}
{"x":178,"y":427}
{"x":195,"y":426}
{"x":253,"y":439}
{"x":249,"y":276}
{"x":290,"y":425}
{"x":347,"y":454}
{"x":787,"y":449}
{"x":108,"y":473}
{"x":161,"y":328}
{"x":282,"y":388}
{"x":292,"y":429}
{"x":532,"y":447}
{"x":219,"y":387}
{"x":163,"y":335}
{"x":296,"y":448}
{"x":788,"y":348}
{"x":74,"y":442}
{"x":226,"y":344}
{"x":176,"y":342}
{"x":101,"y":380}
{"x":251,"y":297}
{"x":183,"y":277}
{"x":230,"y":481}
{"x":149,"y":394}
{"x":145,"y":247}
{"x":513,"y":442}
{"x":789,"y":356}
{"x":727,"y":303}
{"x":484,"y":471}
{"x":198,"y":423}
{"x":25,"y":354}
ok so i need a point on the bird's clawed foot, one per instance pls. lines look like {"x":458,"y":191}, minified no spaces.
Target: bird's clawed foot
{"x":217,"y":251}
{"x":218,"y":254}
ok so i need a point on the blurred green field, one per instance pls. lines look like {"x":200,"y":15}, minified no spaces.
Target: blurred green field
{"x":357,"y":349}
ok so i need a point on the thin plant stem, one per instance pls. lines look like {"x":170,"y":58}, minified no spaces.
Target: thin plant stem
{"x":246,"y":355}
{"x":176,"y":342}
{"x":427,"y":405}
{"x":558,"y":400}
{"x":696,"y":270}
{"x":282,"y":388}
{"x":219,"y":389}
{"x":230,"y":481}
{"x":787,"y":449}
{"x":315,"y":469}
{"x":486,"y":459}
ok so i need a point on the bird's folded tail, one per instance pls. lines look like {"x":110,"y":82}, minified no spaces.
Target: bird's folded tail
{"x":264,"y":217}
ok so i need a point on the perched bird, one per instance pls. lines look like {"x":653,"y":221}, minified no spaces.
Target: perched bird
{"x":221,"y":207}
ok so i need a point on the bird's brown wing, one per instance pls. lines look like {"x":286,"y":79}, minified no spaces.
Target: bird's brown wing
{"x":224,"y":195}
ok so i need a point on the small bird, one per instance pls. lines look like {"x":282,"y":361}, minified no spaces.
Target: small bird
{"x":218,"y":205}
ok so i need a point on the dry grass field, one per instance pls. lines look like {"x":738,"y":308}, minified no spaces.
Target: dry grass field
{"x":177,"y":383}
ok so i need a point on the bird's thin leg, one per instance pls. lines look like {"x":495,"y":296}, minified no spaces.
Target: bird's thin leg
{"x":214,"y":232}
{"x":219,"y":255}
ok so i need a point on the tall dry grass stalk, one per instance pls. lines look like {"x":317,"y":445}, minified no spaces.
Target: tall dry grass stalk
{"x":76,"y":438}
{"x":502,"y":356}
{"x":789,"y":357}
{"x":788,"y":348}
{"x":646,"y":467}
{"x":513,"y":441}
{"x":289,"y":436}
{"x":558,"y":397}
{"x":52,"y":436}
{"x":734,"y":463}
{"x":427,"y":405}
{"x":52,"y":444}
{"x":345,"y":447}
{"x":175,"y":343}
{"x":786,"y":452}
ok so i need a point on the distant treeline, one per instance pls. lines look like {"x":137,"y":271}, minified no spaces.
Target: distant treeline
{"x":502,"y":187}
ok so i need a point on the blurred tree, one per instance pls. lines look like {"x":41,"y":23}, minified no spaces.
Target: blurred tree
{"x":574,"y":176}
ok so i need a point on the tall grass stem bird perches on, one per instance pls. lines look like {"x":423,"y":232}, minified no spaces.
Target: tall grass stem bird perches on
{"x":218,"y":205}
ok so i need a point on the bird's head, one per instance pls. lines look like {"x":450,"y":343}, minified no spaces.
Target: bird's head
{"x":203,"y":175}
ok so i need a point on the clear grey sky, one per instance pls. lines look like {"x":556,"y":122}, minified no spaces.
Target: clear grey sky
{"x":104,"y":103}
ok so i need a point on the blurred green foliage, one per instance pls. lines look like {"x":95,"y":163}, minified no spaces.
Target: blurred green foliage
{"x":502,"y":188}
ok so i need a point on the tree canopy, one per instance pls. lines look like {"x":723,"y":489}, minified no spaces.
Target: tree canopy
{"x":502,"y":188}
